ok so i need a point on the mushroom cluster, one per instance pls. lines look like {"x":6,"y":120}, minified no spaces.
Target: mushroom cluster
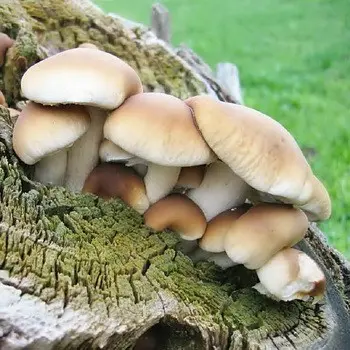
{"x":231,"y":181}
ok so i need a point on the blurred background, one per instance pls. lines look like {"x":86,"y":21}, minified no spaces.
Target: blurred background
{"x":294,"y":63}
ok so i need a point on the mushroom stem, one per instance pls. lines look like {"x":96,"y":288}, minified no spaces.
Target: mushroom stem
{"x":51,"y":170}
{"x":291,"y":274}
{"x":178,"y":213}
{"x":221,"y":189}
{"x":160,"y":181}
{"x":114,"y":180}
{"x":83,"y":155}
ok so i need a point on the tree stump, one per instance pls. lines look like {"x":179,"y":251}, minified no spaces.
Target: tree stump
{"x":77,"y":272}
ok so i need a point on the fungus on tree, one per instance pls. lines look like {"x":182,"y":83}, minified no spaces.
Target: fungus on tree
{"x":159,"y":129}
{"x":84,"y":76}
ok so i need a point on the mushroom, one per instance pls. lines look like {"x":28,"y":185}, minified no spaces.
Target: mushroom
{"x":190,"y":177}
{"x":291,"y":274}
{"x":5,"y":43}
{"x":178,"y":213}
{"x":42,"y":136}
{"x":2,"y":99}
{"x":262,"y":152}
{"x":159,"y":129}
{"x":211,"y":245}
{"x":109,"y":152}
{"x":115,"y":180}
{"x":84,"y":76}
{"x":221,"y":189}
{"x":262,"y":231}
{"x":214,"y":237}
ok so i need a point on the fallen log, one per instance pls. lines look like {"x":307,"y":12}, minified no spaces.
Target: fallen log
{"x":79,"y":272}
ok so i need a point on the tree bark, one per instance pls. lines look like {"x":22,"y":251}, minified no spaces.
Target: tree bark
{"x":77,"y":272}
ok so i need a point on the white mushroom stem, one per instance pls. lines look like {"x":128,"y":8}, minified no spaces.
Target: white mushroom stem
{"x":51,"y":170}
{"x":160,"y":181}
{"x":83,"y":155}
{"x":221,"y":189}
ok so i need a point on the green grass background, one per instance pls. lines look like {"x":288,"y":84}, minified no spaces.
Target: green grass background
{"x":294,"y":63}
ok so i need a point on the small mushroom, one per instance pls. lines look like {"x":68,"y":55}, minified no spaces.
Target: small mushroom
{"x":190,"y":177}
{"x":262,"y":152}
{"x":291,"y":274}
{"x":178,"y":213}
{"x":159,"y":129}
{"x":214,"y":237}
{"x":42,"y":136}
{"x":2,"y":99}
{"x":221,"y":189}
{"x":262,"y":231}
{"x":5,"y":43}
{"x":84,"y":76}
{"x":115,"y":180}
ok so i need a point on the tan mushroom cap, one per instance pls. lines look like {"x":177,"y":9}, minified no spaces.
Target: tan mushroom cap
{"x":43,"y":130}
{"x":109,"y":152}
{"x":178,"y":213}
{"x":213,"y":239}
{"x":291,"y":274}
{"x":261,"y":151}
{"x":262,"y":231}
{"x":158,"y":128}
{"x":81,"y":76}
{"x":115,"y":180}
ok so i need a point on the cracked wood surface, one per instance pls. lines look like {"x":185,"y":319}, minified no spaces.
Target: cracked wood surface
{"x":78,"y":272}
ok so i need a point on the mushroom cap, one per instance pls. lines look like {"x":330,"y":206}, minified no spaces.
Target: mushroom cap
{"x":43,"y":130}
{"x":191,"y":177}
{"x":81,"y":76}
{"x":291,"y":274}
{"x":158,"y":128}
{"x":262,"y":231}
{"x":2,"y":99}
{"x":259,"y":150}
{"x":110,"y":152}
{"x":178,"y":213}
{"x":115,"y":180}
{"x":213,"y":239}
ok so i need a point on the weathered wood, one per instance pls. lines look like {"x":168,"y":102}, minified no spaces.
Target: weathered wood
{"x":160,"y":22}
{"x":78,"y":272}
{"x":228,"y":77}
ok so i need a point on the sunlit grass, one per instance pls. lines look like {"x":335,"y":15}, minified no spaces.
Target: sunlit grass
{"x":294,"y":62}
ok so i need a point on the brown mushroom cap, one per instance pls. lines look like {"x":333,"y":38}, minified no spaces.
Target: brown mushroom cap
{"x":191,"y":177}
{"x":261,"y":151}
{"x":158,"y":128}
{"x":115,"y":180}
{"x":214,"y":237}
{"x":291,"y":274}
{"x":43,"y":130}
{"x":178,"y":213}
{"x":262,"y":231}
{"x":81,"y":76}
{"x":5,"y":43}
{"x":2,"y":99}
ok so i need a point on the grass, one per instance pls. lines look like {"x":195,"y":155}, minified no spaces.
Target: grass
{"x":294,"y":62}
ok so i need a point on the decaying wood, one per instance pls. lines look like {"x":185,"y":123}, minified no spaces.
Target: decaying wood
{"x":228,"y":78}
{"x":160,"y":20}
{"x":78,"y":272}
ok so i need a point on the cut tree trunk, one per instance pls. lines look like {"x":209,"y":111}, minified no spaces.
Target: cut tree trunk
{"x":80,"y":273}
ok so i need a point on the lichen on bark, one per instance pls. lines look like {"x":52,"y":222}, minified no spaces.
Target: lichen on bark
{"x":80,"y":272}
